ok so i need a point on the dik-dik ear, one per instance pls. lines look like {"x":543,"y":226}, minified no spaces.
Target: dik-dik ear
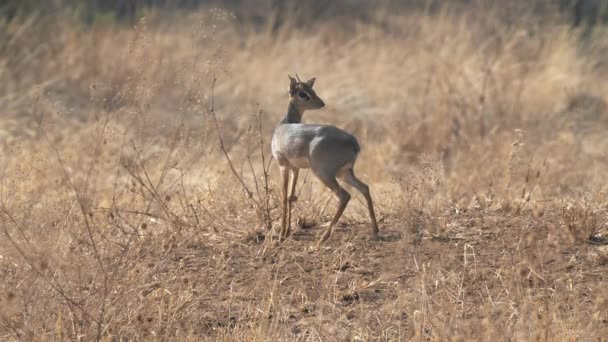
{"x":311,"y":82}
{"x":292,"y":85}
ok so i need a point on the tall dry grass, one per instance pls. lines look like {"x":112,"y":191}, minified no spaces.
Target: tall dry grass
{"x":483,"y":141}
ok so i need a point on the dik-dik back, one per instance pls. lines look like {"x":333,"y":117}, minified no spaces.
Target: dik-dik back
{"x":300,"y":145}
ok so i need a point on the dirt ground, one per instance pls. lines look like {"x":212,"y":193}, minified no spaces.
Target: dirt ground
{"x":491,"y":275}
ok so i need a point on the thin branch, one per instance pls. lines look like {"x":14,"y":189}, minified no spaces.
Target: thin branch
{"x":211,"y":111}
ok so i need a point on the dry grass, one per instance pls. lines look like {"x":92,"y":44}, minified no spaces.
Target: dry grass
{"x":483,"y":141}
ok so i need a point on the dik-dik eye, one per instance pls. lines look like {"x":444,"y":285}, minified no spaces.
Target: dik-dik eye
{"x":303,"y":96}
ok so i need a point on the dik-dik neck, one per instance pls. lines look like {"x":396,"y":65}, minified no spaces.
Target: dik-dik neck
{"x":294,"y":115}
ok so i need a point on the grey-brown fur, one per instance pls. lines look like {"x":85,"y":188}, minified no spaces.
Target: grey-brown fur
{"x":328,"y":151}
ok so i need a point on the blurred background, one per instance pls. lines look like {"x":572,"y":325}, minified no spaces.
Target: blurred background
{"x":588,"y":11}
{"x":453,"y":80}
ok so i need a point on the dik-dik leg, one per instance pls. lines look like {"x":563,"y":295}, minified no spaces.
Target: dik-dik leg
{"x":343,"y":196}
{"x":285,"y":185}
{"x":349,"y":177}
{"x":292,"y":198}
{"x":294,"y":182}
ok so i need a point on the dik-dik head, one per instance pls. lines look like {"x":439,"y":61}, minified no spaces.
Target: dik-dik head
{"x":302,"y":95}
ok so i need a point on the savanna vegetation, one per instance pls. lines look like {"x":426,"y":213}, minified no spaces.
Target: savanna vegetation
{"x":138,"y":199}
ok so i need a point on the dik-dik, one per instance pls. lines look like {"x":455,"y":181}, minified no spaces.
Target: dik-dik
{"x":328,"y":151}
